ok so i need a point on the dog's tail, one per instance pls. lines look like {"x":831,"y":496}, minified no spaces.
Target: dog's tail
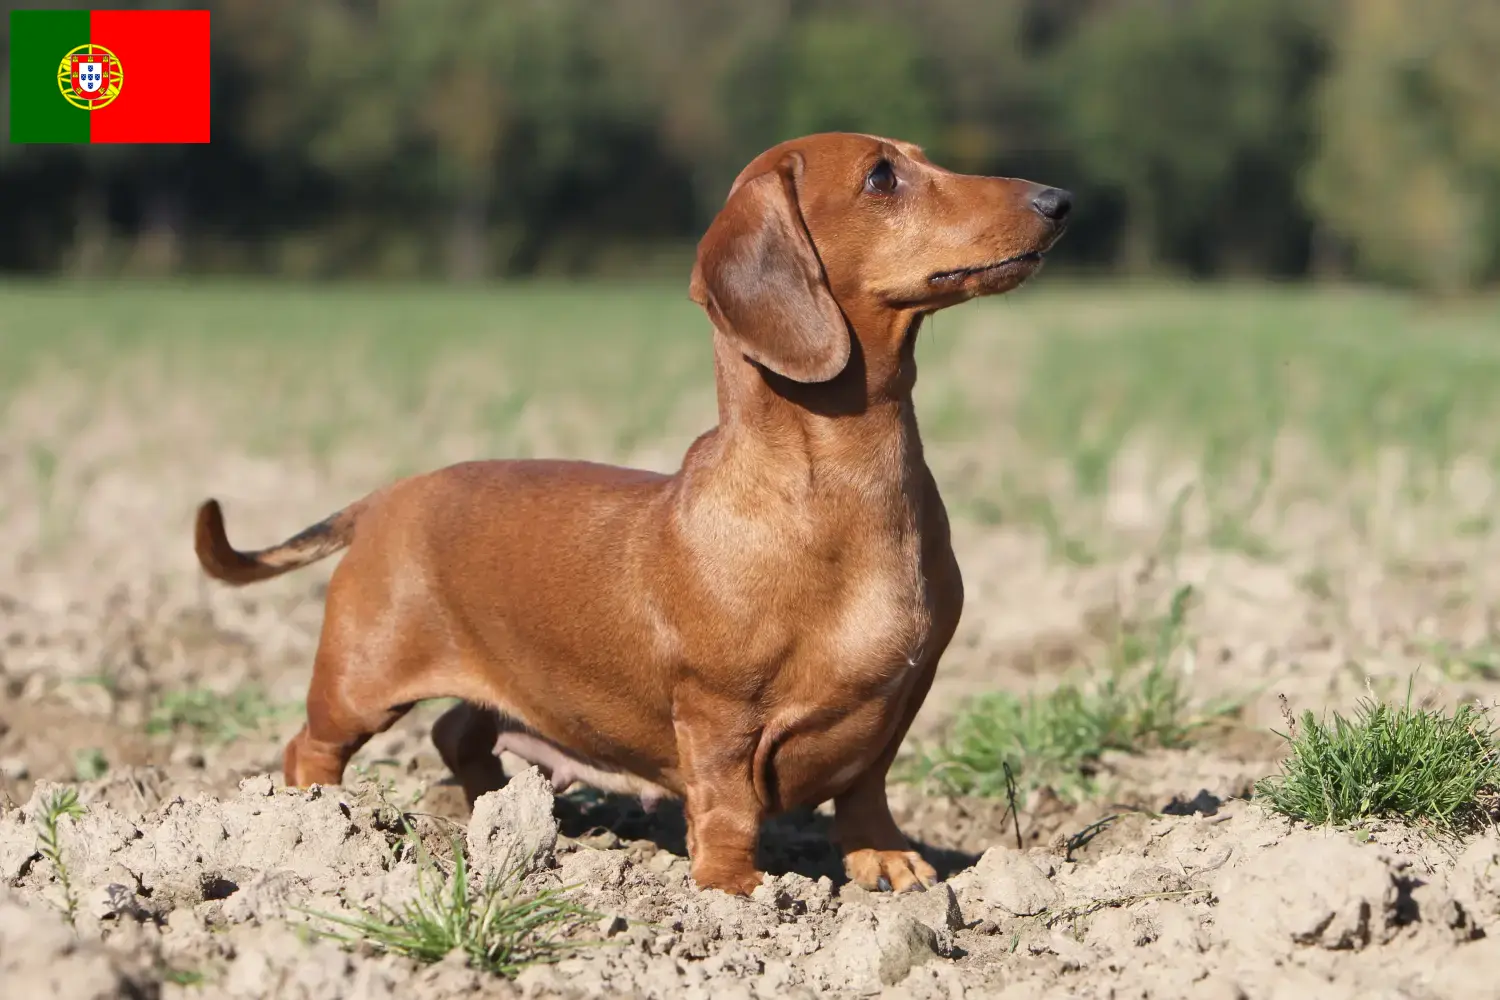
{"x":223,"y":561}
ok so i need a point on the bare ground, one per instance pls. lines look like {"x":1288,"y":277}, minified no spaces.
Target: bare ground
{"x":193,"y":863}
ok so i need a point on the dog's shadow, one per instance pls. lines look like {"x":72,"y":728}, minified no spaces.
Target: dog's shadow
{"x":800,"y":841}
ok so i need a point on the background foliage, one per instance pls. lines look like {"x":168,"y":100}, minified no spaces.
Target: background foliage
{"x":479,"y":138}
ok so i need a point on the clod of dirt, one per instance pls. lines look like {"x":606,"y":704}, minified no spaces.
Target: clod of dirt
{"x":1475,"y":879}
{"x":1013,"y":882}
{"x":873,"y":950}
{"x":17,"y":850}
{"x":204,"y":849}
{"x":1205,"y":803}
{"x":514,"y":827}
{"x":274,"y":962}
{"x":41,"y":957}
{"x":936,"y":909}
{"x":1319,"y":892}
{"x":796,"y":893}
{"x":265,"y":898}
{"x":117,"y":901}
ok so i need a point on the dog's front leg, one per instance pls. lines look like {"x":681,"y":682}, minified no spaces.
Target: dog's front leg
{"x":716,"y":755}
{"x":877,"y":854}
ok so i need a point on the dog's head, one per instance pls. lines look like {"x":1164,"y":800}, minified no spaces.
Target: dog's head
{"x":841,"y":225}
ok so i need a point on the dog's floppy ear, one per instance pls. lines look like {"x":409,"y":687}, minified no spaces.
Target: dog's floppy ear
{"x":760,"y":281}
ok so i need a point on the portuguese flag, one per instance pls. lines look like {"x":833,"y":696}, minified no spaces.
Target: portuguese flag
{"x":109,"y":76}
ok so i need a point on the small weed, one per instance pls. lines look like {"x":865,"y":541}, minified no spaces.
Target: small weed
{"x":1073,"y":914}
{"x":107,"y":681}
{"x":90,"y":764}
{"x":1455,"y":663}
{"x":497,"y":929}
{"x":1317,"y":583}
{"x":1056,"y":739}
{"x":1475,"y":527}
{"x":44,"y":471}
{"x":62,"y":802}
{"x":216,"y":717}
{"x":183,"y":977}
{"x":43,"y":467}
{"x":1420,"y":766}
{"x":1233,"y":535}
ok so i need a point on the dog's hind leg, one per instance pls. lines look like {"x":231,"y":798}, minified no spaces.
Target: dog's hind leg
{"x":371,"y":668}
{"x":338,"y":723}
{"x":318,"y":754}
{"x":465,"y":737}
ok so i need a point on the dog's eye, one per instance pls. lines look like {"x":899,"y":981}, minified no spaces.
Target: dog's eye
{"x":882,"y":179}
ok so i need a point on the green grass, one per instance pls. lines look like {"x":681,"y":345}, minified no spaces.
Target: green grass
{"x":1224,"y":370}
{"x":1272,"y":396}
{"x":1055,"y":739}
{"x":1430,"y":768}
{"x":1084,"y":383}
{"x":494,"y":925}
{"x":343,"y":360}
{"x":216,"y":717}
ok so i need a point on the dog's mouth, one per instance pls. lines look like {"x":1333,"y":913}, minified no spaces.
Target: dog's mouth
{"x":1018,"y":266}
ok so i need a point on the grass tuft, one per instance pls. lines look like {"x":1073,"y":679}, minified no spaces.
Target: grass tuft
{"x":1420,"y":766}
{"x":497,"y":928}
{"x":1056,"y":739}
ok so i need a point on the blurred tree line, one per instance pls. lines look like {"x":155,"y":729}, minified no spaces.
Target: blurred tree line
{"x":474,"y":138}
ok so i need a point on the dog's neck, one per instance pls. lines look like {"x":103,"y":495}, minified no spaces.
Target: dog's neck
{"x":858,"y":429}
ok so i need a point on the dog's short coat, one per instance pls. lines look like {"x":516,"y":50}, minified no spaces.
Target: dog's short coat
{"x":750,"y":634}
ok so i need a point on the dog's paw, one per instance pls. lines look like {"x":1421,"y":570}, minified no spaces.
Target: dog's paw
{"x":894,"y":871}
{"x":741,"y":883}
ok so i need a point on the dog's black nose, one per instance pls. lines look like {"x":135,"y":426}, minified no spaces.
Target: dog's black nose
{"x":1053,"y":203}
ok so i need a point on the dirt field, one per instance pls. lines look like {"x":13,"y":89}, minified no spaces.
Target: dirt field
{"x":1320,"y":468}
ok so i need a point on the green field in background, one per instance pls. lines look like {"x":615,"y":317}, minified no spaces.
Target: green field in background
{"x":1071,"y":373}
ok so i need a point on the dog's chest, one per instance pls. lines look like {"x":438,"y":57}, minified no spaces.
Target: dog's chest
{"x":882,"y":616}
